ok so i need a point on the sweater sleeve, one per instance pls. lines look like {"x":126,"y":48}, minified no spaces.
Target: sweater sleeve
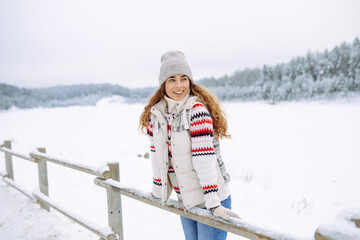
{"x":156,"y":187}
{"x":203,"y":154}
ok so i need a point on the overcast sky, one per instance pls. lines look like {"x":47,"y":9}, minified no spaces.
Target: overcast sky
{"x":47,"y":43}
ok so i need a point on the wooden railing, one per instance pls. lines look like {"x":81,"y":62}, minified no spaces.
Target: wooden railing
{"x":108,"y":178}
{"x":41,"y":195}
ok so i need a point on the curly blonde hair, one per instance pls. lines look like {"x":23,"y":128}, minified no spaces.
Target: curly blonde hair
{"x":208,"y":99}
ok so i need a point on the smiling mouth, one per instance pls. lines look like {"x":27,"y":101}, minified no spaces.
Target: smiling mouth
{"x":179,"y":92}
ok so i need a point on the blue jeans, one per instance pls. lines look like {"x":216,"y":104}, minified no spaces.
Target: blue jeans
{"x":194,"y":230}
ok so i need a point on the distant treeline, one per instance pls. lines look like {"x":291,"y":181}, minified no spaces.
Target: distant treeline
{"x":317,"y":75}
{"x":63,"y":96}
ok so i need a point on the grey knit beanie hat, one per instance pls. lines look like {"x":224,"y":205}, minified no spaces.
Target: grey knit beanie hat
{"x":172,"y":63}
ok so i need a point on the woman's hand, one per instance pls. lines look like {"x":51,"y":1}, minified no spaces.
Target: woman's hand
{"x":224,"y":213}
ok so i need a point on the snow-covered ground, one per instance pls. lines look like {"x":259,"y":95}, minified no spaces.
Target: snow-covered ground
{"x":294,"y":166}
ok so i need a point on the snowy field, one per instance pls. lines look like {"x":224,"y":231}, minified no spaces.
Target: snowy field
{"x":294,"y":166}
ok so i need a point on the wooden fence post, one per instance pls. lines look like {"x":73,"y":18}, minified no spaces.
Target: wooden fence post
{"x":43,"y":178}
{"x":8,"y":161}
{"x":114,"y":203}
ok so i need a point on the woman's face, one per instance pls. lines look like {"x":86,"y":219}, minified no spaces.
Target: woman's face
{"x":177,"y":87}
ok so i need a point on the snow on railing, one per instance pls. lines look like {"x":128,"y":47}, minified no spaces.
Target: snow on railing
{"x":238,"y":227}
{"x":17,"y":154}
{"x":3,"y":173}
{"x":100,"y":172}
{"x":345,"y":226}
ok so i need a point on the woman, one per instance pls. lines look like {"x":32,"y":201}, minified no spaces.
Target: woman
{"x":184,"y":122}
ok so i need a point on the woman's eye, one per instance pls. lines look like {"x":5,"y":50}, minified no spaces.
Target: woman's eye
{"x":184,"y":79}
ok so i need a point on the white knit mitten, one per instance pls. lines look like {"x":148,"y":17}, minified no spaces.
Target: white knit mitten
{"x":224,"y":213}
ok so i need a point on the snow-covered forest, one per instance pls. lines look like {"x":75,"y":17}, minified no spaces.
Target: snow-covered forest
{"x":322,"y":75}
{"x":317,"y":75}
{"x":63,"y":96}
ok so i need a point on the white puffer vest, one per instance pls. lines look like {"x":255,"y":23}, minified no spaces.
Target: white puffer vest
{"x":190,"y":189}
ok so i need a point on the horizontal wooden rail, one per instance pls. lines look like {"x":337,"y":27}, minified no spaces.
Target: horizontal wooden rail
{"x":104,"y":233}
{"x":201,"y":215}
{"x":102,"y":172}
{"x":18,"y":187}
{"x":17,"y":154}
